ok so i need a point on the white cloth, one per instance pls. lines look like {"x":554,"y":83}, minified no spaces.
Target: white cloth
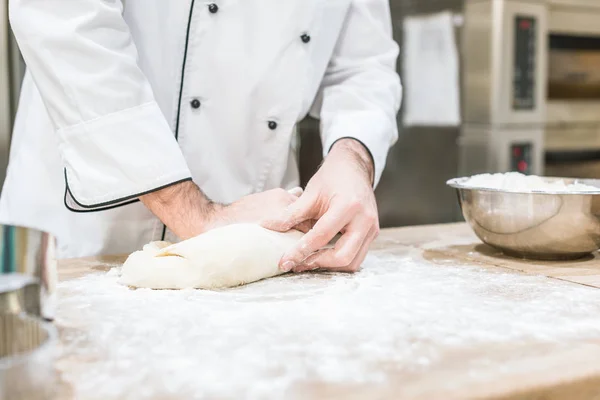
{"x":107,"y":104}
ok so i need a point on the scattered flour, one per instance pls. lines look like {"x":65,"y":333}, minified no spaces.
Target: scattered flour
{"x":259,"y":341}
{"x":515,"y":181}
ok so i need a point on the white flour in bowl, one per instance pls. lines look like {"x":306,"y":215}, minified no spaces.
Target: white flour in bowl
{"x":515,"y":181}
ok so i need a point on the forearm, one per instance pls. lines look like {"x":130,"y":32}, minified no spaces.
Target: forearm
{"x":183,"y":208}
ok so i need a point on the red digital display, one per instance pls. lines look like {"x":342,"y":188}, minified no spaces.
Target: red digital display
{"x":522,"y":166}
{"x":517,"y":152}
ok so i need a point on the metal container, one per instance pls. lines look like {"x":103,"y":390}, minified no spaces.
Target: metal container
{"x":19,"y":294}
{"x":535,"y":225}
{"x":27,"y":354}
{"x":28,"y":271}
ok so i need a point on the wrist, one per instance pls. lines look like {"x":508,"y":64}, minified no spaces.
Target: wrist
{"x":358,"y":152}
{"x":182,"y":207}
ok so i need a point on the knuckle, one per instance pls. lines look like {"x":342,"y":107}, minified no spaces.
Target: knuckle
{"x":373,"y":219}
{"x":376,"y":231}
{"x":354,"y":205}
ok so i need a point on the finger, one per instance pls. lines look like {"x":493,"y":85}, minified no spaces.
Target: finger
{"x":309,"y":264}
{"x":360,"y":257}
{"x":345,"y":249}
{"x":321,"y":262}
{"x":305,"y":226}
{"x":324,"y":230}
{"x":305,"y":268}
{"x":296,"y":192}
{"x":344,"y":252}
{"x":294,"y":214}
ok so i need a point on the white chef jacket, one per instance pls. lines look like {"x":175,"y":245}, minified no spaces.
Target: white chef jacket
{"x":124,"y":97}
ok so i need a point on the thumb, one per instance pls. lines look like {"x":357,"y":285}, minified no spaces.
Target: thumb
{"x":294,"y":214}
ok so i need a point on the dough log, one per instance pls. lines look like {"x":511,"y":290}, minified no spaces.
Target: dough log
{"x":224,"y":257}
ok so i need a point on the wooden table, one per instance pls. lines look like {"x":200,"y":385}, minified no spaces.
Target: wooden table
{"x":529,"y":371}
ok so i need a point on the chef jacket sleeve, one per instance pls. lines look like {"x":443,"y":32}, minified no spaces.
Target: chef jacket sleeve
{"x":114,"y":140}
{"x":360,"y":93}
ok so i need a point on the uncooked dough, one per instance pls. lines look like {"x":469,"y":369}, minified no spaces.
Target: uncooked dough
{"x":223,"y":257}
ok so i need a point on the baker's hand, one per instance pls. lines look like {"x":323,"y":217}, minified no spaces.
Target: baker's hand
{"x":339,"y":198}
{"x":253,"y":208}
{"x":188,"y":212}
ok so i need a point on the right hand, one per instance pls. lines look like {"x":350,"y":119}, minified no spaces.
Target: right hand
{"x":187,"y":212}
{"x":253,"y":208}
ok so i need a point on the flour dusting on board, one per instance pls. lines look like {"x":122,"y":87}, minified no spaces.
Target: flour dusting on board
{"x":515,"y":181}
{"x":260,"y":340}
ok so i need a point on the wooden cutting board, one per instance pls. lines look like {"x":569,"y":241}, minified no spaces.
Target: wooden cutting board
{"x":456,"y":242}
{"x":522,"y":371}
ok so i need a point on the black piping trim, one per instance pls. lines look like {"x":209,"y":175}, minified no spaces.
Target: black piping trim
{"x":78,"y":210}
{"x":185,"y":50}
{"x":183,"y":64}
{"x":113,"y":203}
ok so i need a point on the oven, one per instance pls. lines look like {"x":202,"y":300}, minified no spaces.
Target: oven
{"x":531,"y":87}
{"x":573,"y":90}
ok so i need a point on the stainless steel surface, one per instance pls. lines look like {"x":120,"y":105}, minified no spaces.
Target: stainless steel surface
{"x":491,"y":124}
{"x":477,"y":35}
{"x":574,"y":124}
{"x":488,"y":61}
{"x":536,"y":225}
{"x":578,"y":17}
{"x":27,"y":352}
{"x":27,"y":254}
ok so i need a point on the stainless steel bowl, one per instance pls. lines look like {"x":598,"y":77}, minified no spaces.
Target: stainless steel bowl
{"x":28,"y":270}
{"x":535,"y":225}
{"x":28,"y":348}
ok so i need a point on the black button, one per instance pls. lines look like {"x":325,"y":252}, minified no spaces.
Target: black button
{"x":213,"y":8}
{"x":272,"y":125}
{"x":305,"y":38}
{"x":195,"y":103}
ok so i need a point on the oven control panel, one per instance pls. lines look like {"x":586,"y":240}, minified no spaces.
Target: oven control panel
{"x":524,"y":69}
{"x":521,"y":158}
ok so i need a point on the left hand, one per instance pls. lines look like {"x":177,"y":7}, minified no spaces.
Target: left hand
{"x":338,"y":198}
